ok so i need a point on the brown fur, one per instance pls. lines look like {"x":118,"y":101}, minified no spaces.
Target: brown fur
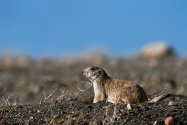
{"x":113,"y":90}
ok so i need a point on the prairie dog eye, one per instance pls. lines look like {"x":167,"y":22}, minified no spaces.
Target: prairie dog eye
{"x":93,"y":68}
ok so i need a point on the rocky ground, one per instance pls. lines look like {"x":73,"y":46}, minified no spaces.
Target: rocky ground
{"x":49,"y":91}
{"x":78,"y":112}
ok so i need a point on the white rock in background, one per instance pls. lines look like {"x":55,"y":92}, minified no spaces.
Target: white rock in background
{"x":157,"y":50}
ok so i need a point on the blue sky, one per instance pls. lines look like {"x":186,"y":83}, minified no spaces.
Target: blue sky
{"x":63,"y":27}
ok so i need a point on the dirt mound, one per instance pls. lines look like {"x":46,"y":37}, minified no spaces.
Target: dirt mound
{"x":78,"y":112}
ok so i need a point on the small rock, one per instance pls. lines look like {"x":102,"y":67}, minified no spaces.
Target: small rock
{"x":172,"y":103}
{"x":169,"y":121}
{"x":38,"y":111}
{"x":129,"y":106}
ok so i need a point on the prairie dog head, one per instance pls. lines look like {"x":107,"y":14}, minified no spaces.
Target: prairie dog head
{"x":93,"y":73}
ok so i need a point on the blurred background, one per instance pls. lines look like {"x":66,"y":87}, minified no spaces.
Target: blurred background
{"x":45,"y":45}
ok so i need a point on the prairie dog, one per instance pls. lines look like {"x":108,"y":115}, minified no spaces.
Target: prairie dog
{"x":113,"y":90}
